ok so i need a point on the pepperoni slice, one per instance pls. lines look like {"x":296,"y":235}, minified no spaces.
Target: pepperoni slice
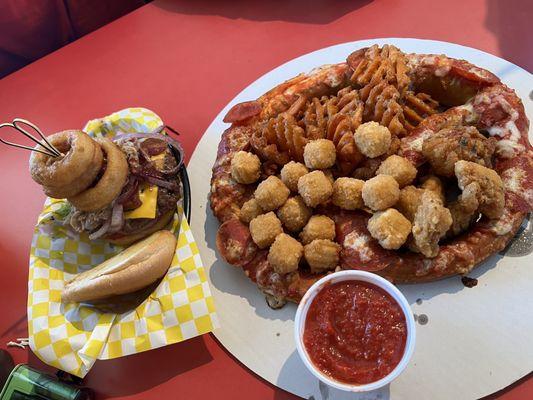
{"x":242,"y":111}
{"x":235,"y":244}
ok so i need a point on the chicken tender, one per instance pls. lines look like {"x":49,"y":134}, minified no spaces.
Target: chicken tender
{"x":315,"y":188}
{"x":389,"y":228}
{"x":291,"y":172}
{"x":322,"y":255}
{"x":464,"y":209}
{"x":347,"y":193}
{"x":432,"y":221}
{"x":399,"y":168}
{"x":318,"y":227}
{"x":264,"y":229}
{"x":285,"y":254}
{"x":245,"y":167}
{"x":381,"y":192}
{"x":450,"y":145}
{"x":320,"y":154}
{"x":410,"y":199}
{"x":250,"y":210}
{"x":434,"y":184}
{"x":372,"y":139}
{"x":491,"y":195}
{"x":294,"y":214}
{"x":271,"y":193}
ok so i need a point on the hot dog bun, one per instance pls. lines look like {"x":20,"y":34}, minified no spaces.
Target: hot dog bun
{"x":134,"y":268}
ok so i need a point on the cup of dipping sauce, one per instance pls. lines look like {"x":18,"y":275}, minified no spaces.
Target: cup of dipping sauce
{"x":354,"y":331}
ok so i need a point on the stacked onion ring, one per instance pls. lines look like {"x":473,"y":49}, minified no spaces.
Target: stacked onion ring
{"x":90,"y":174}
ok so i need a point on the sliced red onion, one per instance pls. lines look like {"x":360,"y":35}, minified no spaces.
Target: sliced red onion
{"x":162,"y":183}
{"x":101,"y":231}
{"x":117,"y":218}
{"x":131,"y":188}
{"x":170,"y":141}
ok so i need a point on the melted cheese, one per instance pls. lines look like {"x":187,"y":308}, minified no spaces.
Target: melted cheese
{"x":148,"y":208}
{"x":359,"y":242}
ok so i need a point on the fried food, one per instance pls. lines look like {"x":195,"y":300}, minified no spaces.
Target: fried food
{"x":435,"y":185}
{"x":491,"y":195}
{"x":109,"y":186}
{"x":245,"y":167}
{"x":450,"y":145}
{"x":285,"y":254}
{"x":399,"y":168}
{"x":264,"y":228}
{"x":250,"y":210}
{"x":78,"y":158}
{"x":318,"y":227}
{"x":82,"y":182}
{"x":347,"y":193}
{"x":315,"y":188}
{"x":271,"y":193}
{"x":372,"y":139}
{"x":464,"y":209}
{"x":322,"y":255}
{"x":432,"y":221}
{"x":410,"y":199}
{"x":294,"y":214}
{"x":291,"y":172}
{"x":319,"y":154}
{"x":389,"y":228}
{"x":381,"y":192}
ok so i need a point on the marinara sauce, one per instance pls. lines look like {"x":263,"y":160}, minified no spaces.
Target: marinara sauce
{"x":355,"y":332}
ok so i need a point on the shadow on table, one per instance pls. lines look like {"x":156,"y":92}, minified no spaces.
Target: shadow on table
{"x":304,"y":11}
{"x":510,"y":23}
{"x":140,"y":372}
{"x":295,"y":375}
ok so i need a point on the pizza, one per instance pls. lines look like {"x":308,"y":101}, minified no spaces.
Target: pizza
{"x":413,"y":166}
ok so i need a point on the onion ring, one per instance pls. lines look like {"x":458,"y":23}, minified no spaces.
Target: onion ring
{"x":81,"y":182}
{"x":110,"y":184}
{"x":78,"y":149}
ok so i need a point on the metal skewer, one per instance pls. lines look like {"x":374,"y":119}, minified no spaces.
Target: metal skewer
{"x":49,"y":149}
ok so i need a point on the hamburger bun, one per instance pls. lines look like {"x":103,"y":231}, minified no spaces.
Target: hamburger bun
{"x":134,"y":268}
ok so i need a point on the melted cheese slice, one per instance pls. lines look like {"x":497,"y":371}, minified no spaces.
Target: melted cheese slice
{"x":148,"y":208}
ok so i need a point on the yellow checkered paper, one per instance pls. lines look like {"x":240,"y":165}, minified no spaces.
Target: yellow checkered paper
{"x":72,"y":337}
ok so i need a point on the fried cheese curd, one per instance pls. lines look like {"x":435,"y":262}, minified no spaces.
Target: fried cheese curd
{"x":285,"y":254}
{"x":315,"y":188}
{"x":320,"y":154}
{"x":372,"y":139}
{"x":381,"y":192}
{"x":271,"y":193}
{"x":264,"y":228}
{"x":491,"y":195}
{"x":294,"y":214}
{"x":318,"y":227}
{"x":399,"y":168}
{"x":291,"y":172}
{"x":449,"y":145}
{"x":464,"y":209}
{"x":322,"y":255}
{"x":434,"y":184}
{"x":245,"y":167}
{"x":390,"y":228}
{"x":347,"y":193}
{"x":410,"y":199}
{"x":432,"y":221}
{"x":249,"y":210}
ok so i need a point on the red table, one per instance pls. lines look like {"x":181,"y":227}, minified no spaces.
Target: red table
{"x":186,"y":60}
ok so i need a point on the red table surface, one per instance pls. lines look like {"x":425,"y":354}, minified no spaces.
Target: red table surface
{"x":186,"y":60}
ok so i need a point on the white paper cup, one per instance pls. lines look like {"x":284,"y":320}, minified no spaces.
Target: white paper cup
{"x":362,"y":276}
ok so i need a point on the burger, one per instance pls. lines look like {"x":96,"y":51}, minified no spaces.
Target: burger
{"x":121,"y":190}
